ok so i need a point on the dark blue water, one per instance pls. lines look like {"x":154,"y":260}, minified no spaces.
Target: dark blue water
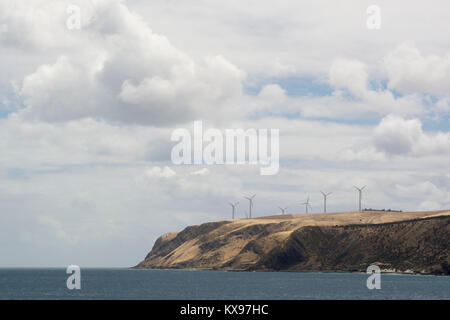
{"x":185,"y":284}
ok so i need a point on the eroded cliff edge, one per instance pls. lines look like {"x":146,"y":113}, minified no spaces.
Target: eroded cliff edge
{"x":412,"y":241}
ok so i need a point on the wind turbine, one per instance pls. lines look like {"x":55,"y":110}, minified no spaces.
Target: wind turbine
{"x":360,"y":195}
{"x":250,"y":199}
{"x":325,"y":195}
{"x":307,"y":204}
{"x":283,"y":210}
{"x":233,"y":206}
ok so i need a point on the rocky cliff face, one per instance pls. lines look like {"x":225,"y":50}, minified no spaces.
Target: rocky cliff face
{"x":413,"y":242}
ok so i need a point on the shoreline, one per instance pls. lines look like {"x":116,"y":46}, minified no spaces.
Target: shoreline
{"x":299,"y":271}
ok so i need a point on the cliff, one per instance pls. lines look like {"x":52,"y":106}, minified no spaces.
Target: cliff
{"x":350,"y":241}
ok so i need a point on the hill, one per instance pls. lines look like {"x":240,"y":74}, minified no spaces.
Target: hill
{"x":348,"y":241}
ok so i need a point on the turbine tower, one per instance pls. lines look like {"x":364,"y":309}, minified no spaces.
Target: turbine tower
{"x":283,"y":210}
{"x":325,"y":195}
{"x":307,"y":204}
{"x":250,"y":200}
{"x":233,"y":206}
{"x":360,"y":195}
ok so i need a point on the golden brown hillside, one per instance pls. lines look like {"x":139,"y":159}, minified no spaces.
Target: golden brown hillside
{"x":345,"y":241}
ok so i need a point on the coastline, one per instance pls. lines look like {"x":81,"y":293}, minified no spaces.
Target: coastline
{"x":382,"y":271}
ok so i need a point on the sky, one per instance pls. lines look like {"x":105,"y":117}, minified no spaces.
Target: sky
{"x":86,"y":116}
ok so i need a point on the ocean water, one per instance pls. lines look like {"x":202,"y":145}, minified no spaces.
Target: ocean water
{"x":188,"y":284}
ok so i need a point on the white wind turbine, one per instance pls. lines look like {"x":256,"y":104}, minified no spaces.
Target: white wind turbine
{"x":233,"y":206}
{"x":283,"y":210}
{"x":360,"y":195}
{"x":250,"y":199}
{"x":307,"y":204}
{"x":325,"y":195}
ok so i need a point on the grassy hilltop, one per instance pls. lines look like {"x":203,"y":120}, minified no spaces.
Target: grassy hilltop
{"x":347,"y":241}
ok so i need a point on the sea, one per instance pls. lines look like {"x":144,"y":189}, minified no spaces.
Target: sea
{"x":124,"y":284}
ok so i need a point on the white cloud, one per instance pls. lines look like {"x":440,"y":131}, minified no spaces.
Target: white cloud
{"x":352,"y":97}
{"x":429,"y":205}
{"x":31,"y":26}
{"x":201,"y":172}
{"x":157,"y":172}
{"x":63,"y":91}
{"x":420,"y":189}
{"x":351,"y":75}
{"x":304,"y":36}
{"x":58,"y":229}
{"x":395,"y":135}
{"x":119,"y":69}
{"x":409,"y":71}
